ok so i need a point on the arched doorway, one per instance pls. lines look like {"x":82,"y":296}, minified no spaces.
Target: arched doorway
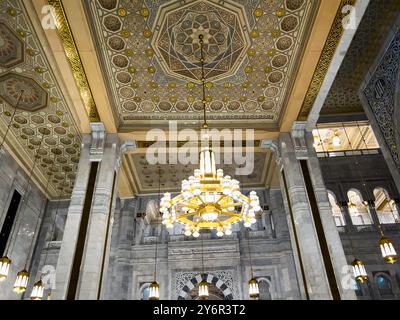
{"x":217,"y":288}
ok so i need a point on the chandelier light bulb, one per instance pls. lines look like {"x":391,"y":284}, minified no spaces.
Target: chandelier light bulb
{"x":5,"y":264}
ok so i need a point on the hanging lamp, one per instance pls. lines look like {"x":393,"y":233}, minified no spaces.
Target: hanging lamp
{"x":21,"y":282}
{"x":37,"y":291}
{"x":154,"y":287}
{"x":203,"y":290}
{"x":359,"y":272}
{"x":38,"y":287}
{"x":49,"y":294}
{"x":5,"y":262}
{"x":387,"y":249}
{"x":203,"y":285}
{"x":385,"y":244}
{"x":208,"y":199}
{"x":22,"y":279}
{"x":358,"y":267}
{"x":154,"y":291}
{"x":254,"y":290}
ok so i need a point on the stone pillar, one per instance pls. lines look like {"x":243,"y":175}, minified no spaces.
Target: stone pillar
{"x":122,"y":268}
{"x":67,"y":250}
{"x":347,"y":217}
{"x":321,"y":252}
{"x":373,"y":213}
{"x":82,"y":259}
{"x":92,"y":266}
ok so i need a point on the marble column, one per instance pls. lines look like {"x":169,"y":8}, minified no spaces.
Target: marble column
{"x":67,"y":250}
{"x":344,"y":207}
{"x":105,"y":149}
{"x":122,"y":267}
{"x":293,"y":148}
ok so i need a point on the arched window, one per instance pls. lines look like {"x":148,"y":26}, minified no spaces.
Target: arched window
{"x":385,"y":208}
{"x":336,"y":211}
{"x":265,"y":290}
{"x":359,"y":212}
{"x":145,"y":291}
{"x":384,"y":285}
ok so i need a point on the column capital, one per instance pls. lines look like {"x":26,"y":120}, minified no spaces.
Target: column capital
{"x":299,"y":139}
{"x":126,"y":146}
{"x":98,"y":141}
{"x":274,"y":146}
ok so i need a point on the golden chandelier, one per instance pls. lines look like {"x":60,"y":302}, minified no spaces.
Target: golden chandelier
{"x":208,"y":199}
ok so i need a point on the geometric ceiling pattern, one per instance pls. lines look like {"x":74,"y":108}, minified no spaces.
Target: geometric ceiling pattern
{"x":43,"y":126}
{"x":149,"y":53}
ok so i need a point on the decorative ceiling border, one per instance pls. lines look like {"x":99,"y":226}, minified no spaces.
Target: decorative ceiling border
{"x":73,"y":57}
{"x":331,"y":44}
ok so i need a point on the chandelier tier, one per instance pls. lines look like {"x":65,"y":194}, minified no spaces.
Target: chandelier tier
{"x":208,"y":199}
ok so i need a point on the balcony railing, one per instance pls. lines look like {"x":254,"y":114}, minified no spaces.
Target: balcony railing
{"x":347,"y":153}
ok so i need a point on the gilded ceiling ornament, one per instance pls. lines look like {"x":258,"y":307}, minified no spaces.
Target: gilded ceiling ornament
{"x":258,"y":12}
{"x":280,"y":12}
{"x":144,"y":12}
{"x":67,"y":39}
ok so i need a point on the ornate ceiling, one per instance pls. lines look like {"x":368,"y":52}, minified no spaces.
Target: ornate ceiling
{"x":150,"y":57}
{"x":146,"y":176}
{"x":374,"y":27}
{"x":43,"y":126}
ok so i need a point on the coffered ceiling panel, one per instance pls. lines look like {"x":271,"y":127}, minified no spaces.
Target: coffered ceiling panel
{"x":150,"y":57}
{"x":146,"y":176}
{"x":42,"y":126}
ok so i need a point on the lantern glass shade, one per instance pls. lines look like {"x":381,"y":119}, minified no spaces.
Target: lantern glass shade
{"x":37,"y":291}
{"x":154,"y":291}
{"x":388,"y":252}
{"x":360,"y":274}
{"x":254,"y":290}
{"x":21,"y":282}
{"x":5,"y":264}
{"x":203,"y":290}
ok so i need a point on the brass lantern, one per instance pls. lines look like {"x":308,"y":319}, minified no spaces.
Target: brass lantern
{"x":359,"y":270}
{"x":5,"y":264}
{"x":203,"y":290}
{"x":154,"y":293}
{"x":388,"y":252}
{"x":37,"y":291}
{"x":21,"y":282}
{"x":254,"y":290}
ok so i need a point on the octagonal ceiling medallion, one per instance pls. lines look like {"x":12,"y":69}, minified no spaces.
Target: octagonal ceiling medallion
{"x":11,"y":48}
{"x":149,"y":55}
{"x":176,"y":39}
{"x":33,"y":97}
